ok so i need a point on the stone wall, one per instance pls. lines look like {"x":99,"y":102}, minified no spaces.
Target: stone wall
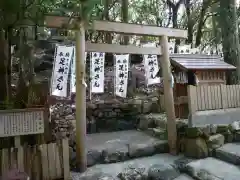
{"x":194,"y":142}
{"x":103,"y":116}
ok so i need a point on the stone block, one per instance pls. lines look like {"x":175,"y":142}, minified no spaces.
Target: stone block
{"x":206,"y":129}
{"x":222,"y":128}
{"x":183,"y":177}
{"x":140,"y":150}
{"x":181,"y":164}
{"x":115,"y":152}
{"x":135,"y":172}
{"x":212,"y":169}
{"x":93,"y":157}
{"x":92,"y":176}
{"x":230,"y":153}
{"x":235,"y":126}
{"x":155,"y":108}
{"x":196,"y":148}
{"x":213,"y":128}
{"x":160,"y":119}
{"x":215,"y":141}
{"x":160,"y":171}
{"x":229,"y":137}
{"x":161,"y":146}
{"x":236,"y":137}
{"x":137,"y":103}
{"x":147,"y":107}
{"x":145,"y":122}
{"x":193,"y":132}
{"x":160,"y":133}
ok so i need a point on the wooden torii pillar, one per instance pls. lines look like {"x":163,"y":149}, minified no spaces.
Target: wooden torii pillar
{"x":122,"y":28}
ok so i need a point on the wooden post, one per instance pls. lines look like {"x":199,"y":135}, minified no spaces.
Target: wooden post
{"x":192,"y":103}
{"x":168,"y":96}
{"x":17,"y":141}
{"x":80,"y":100}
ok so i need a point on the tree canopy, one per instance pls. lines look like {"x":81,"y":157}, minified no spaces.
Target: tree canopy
{"x":210,"y":23}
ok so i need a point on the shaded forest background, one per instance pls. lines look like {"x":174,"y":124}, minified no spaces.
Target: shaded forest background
{"x":208,"y":22}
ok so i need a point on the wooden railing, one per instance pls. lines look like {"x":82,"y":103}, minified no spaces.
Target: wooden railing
{"x":39,"y":162}
{"x":201,"y":98}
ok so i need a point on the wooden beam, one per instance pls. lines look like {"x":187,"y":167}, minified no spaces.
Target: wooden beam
{"x":138,"y":29}
{"x":117,"y":27}
{"x":168,"y":97}
{"x":118,"y":49}
{"x":121,"y":49}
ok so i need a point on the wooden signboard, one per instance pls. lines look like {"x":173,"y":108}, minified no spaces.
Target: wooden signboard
{"x":21,"y":122}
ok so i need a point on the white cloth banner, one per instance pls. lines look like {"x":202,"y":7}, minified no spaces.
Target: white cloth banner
{"x":73,"y":71}
{"x":151,"y":66}
{"x":63,"y":56}
{"x":151,"y":69}
{"x":121,"y":75}
{"x":97,"y":72}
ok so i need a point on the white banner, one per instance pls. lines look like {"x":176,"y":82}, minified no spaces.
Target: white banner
{"x":63,"y":56}
{"x":121,"y":75}
{"x":151,"y":66}
{"x":151,"y":69}
{"x":97,"y":72}
{"x":73,"y":71}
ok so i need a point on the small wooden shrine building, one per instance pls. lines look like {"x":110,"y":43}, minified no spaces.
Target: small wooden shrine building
{"x":195,"y":69}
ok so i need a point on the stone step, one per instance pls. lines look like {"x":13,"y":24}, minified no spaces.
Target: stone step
{"x":212,"y":169}
{"x":184,"y":177}
{"x":229,"y":152}
{"x":160,"y":166}
{"x":119,"y":146}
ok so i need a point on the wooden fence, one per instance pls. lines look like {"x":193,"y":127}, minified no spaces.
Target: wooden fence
{"x":40,"y":162}
{"x":201,"y":98}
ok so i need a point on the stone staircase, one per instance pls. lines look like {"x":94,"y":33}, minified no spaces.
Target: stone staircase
{"x":114,"y":147}
{"x":222,"y":166}
{"x":143,"y":155}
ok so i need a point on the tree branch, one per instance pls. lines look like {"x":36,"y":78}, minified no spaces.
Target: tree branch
{"x":209,"y":15}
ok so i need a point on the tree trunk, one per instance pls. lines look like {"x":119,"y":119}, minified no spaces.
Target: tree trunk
{"x":3,"y":70}
{"x":201,"y":22}
{"x":175,"y":8}
{"x":108,"y":36}
{"x":199,"y":28}
{"x":189,"y":22}
{"x":230,"y":39}
{"x":175,"y":25}
{"x":125,"y":18}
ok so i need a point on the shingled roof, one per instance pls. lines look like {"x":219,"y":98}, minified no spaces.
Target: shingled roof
{"x":200,"y":62}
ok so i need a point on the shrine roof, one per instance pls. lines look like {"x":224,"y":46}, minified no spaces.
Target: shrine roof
{"x":200,"y":62}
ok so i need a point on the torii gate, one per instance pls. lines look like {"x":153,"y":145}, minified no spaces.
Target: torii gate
{"x":122,"y":28}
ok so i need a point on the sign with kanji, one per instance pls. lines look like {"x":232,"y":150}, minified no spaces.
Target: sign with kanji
{"x":63,"y":56}
{"x":21,"y":122}
{"x":97,"y":72}
{"x":151,"y":67}
{"x":121,"y":75}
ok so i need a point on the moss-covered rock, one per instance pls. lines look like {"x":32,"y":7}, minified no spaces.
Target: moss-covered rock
{"x":223,"y":128}
{"x":196,"y":148}
{"x":193,"y":132}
